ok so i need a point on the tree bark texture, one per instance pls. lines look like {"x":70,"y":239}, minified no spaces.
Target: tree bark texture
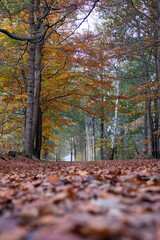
{"x":29,"y":140}
{"x":38,"y":136}
{"x":33,"y":112}
{"x":37,"y":114}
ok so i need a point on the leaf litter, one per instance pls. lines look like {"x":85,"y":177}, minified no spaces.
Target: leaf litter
{"x":114,"y":200}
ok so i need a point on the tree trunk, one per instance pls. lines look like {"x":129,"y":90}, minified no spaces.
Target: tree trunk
{"x":29,"y":140}
{"x":37,"y":118}
{"x":84,"y":151}
{"x":88,"y":138}
{"x":154,"y":122}
{"x":75,"y":149}
{"x":158,"y":54}
{"x":153,"y":134}
{"x":157,"y":100}
{"x":71,"y":151}
{"x":146,"y":95}
{"x":93,"y":138}
{"x":115,"y":123}
{"x":38,"y":142}
{"x":33,"y":136}
{"x":146,"y":148}
{"x":102,"y":139}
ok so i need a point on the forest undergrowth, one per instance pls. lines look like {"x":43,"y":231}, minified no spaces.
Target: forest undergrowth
{"x":114,"y":200}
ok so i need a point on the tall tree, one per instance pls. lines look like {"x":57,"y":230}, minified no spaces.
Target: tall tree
{"x":49,"y":16}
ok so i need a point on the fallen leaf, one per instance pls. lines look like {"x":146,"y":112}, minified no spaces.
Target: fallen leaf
{"x":112,"y":170}
{"x":53,"y":179}
{"x":83,"y":172}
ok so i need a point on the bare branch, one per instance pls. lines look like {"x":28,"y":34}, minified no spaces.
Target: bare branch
{"x":94,"y":5}
{"x":32,"y":38}
{"x":64,"y":17}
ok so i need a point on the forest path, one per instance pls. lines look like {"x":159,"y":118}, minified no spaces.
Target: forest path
{"x":114,"y":200}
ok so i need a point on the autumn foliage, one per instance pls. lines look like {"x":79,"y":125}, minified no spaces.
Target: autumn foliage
{"x":108,"y":74}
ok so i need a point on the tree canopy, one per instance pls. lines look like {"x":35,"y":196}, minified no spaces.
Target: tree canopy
{"x":94,"y":93}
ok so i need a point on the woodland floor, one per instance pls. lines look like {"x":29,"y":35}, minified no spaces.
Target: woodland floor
{"x":114,"y":200}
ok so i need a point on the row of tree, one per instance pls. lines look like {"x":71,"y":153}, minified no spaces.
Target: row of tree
{"x":96,"y":92}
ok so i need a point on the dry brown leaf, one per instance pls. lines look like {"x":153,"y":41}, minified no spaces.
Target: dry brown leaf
{"x":112,"y":170}
{"x":53,"y":179}
{"x":83,"y":172}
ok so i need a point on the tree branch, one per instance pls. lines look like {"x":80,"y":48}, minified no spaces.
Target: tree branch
{"x":94,"y":5}
{"x":32,"y":38}
{"x":143,"y":13}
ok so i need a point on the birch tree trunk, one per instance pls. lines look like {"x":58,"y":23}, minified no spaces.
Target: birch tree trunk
{"x":115,"y":123}
{"x":88,"y":138}
{"x":93,"y":138}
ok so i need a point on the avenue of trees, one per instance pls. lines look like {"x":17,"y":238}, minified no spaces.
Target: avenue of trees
{"x":91,"y":94}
